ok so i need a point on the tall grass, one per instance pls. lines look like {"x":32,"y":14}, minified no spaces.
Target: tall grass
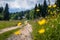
{"x":5,"y":24}
{"x":5,"y":35}
{"x":52,"y":29}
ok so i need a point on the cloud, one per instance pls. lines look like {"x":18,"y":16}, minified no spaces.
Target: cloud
{"x":19,"y":3}
{"x":22,"y":4}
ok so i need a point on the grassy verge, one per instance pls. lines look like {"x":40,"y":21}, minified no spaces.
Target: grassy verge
{"x":7,"y":34}
{"x":5,"y":24}
{"x":52,"y":29}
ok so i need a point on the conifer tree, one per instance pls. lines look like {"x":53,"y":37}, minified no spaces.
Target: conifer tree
{"x":6,"y":12}
{"x":27,"y":14}
{"x":1,"y":9}
{"x":58,"y":3}
{"x":44,"y":9}
{"x":1,"y":13}
{"x":35,"y":13}
{"x":39,"y":7}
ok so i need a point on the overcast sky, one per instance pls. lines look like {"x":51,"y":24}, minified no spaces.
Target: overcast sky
{"x":18,"y":5}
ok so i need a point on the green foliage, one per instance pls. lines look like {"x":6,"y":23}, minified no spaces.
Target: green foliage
{"x":15,"y":17}
{"x":1,"y":9}
{"x":27,"y":15}
{"x":31,"y":14}
{"x":1,"y":16}
{"x":1,"y":13}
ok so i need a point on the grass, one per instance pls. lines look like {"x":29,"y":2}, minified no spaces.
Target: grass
{"x":52,"y":29}
{"x":7,"y":34}
{"x":5,"y":24}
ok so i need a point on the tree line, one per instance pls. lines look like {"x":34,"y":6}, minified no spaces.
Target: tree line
{"x":43,"y":10}
{"x":37,"y":12}
{"x":4,"y":13}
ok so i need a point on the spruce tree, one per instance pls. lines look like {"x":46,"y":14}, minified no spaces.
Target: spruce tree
{"x":1,"y":13}
{"x":39,"y":7}
{"x":58,"y":3}
{"x":27,"y":14}
{"x":1,"y":9}
{"x":44,"y":9}
{"x":35,"y":13}
{"x":6,"y":12}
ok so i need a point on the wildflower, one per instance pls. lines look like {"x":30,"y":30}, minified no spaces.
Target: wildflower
{"x":54,"y":5}
{"x":41,"y":31}
{"x":41,"y":22}
{"x":37,"y":10}
{"x":17,"y":32}
{"x":19,"y":24}
{"x":49,"y":6}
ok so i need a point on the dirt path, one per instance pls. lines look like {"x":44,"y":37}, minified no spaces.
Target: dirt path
{"x":25,"y":34}
{"x":8,"y":29}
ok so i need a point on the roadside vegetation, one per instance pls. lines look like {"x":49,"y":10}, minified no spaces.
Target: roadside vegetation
{"x":45,"y":20}
{"x":46,"y":31}
{"x":5,"y":24}
{"x":5,"y":35}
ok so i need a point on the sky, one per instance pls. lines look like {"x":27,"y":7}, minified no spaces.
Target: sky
{"x":21,"y":5}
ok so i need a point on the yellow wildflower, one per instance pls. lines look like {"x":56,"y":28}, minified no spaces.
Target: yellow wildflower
{"x":49,"y":6}
{"x":41,"y":31}
{"x":42,"y":22}
{"x":19,"y":24}
{"x":54,"y":5}
{"x":37,"y":10}
{"x":17,"y":32}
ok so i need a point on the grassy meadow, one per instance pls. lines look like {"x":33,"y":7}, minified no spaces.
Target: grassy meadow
{"x":49,"y":31}
{"x":7,"y":34}
{"x":5,"y":24}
